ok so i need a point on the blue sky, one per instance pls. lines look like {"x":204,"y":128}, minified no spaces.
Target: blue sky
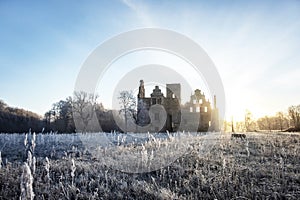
{"x":254,"y":45}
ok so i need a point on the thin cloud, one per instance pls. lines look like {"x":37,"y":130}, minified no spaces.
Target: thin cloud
{"x":129,"y":4}
{"x":141,"y":11}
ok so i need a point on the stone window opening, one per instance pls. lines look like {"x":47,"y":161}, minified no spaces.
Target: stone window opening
{"x":154,"y":101}
{"x":159,"y":101}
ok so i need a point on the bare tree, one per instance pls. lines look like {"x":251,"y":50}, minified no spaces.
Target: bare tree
{"x":232,"y":126}
{"x":280,"y":119}
{"x":262,"y":123}
{"x":63,"y":121}
{"x":128,"y":106}
{"x":239,"y":126}
{"x":47,"y":118}
{"x":249,"y":122}
{"x":226,"y":125}
{"x":294,"y":113}
{"x":269,"y":123}
{"x":84,"y":105}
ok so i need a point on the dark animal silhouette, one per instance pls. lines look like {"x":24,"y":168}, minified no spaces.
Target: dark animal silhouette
{"x":238,"y":135}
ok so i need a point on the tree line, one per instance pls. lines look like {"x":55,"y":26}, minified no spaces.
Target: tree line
{"x":84,"y":107}
{"x":16,"y":120}
{"x":281,"y":121}
{"x":60,"y":118}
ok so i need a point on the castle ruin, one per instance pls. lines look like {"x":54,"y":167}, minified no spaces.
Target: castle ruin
{"x":195,"y":115}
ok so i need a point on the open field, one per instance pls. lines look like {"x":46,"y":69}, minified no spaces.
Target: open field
{"x":165,"y":166}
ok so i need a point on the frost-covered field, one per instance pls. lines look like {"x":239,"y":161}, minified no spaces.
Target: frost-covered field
{"x":150,"y":166}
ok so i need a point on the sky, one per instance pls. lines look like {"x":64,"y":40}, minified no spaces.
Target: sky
{"x":254,"y":45}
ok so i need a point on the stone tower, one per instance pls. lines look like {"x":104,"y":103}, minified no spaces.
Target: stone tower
{"x":141,"y":93}
{"x":215,"y":121}
{"x":174,"y":91}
